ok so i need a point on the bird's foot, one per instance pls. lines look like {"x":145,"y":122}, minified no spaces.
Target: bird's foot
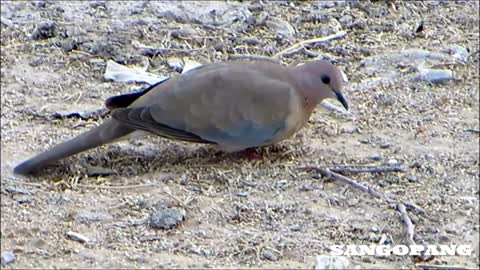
{"x":251,"y":153}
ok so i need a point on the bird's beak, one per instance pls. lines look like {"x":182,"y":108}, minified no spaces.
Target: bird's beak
{"x":341,"y":99}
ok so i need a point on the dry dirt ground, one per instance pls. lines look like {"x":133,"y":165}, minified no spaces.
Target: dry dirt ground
{"x":240,"y":212}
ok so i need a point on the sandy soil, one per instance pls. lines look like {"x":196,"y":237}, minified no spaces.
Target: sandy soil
{"x":239,"y":212}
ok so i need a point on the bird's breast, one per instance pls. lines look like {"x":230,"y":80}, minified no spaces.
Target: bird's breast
{"x":296,"y":119}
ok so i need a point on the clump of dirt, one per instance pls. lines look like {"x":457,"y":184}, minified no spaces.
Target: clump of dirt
{"x":240,"y":212}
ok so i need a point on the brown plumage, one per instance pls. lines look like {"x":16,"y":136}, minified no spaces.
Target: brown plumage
{"x":236,"y":105}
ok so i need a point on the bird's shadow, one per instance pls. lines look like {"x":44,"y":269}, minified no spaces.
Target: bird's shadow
{"x":116,"y":160}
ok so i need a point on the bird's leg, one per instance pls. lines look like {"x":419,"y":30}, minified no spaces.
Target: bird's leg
{"x":250,"y":153}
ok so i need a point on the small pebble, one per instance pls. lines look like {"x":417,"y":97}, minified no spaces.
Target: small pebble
{"x":385,"y":145}
{"x":57,"y":199}
{"x":242,"y":194}
{"x":376,"y":156}
{"x":15,"y":190}
{"x":295,"y":228}
{"x":249,"y":184}
{"x":37,"y":243}
{"x":367,"y":259}
{"x":45,"y":30}
{"x":267,"y":254}
{"x":324,"y":4}
{"x":184,"y":180}
{"x":416,"y":164}
{"x":7,"y":257}
{"x":432,"y":230}
{"x":392,"y":162}
{"x":373,"y":237}
{"x":24,"y":199}
{"x":435,"y":75}
{"x":364,"y":141}
{"x":429,"y":157}
{"x":281,"y":183}
{"x":77,"y":237}
{"x":412,"y":178}
{"x":451,"y":230}
{"x":200,"y":251}
{"x":138,"y":258}
{"x":87,"y":216}
{"x":345,"y":19}
{"x":308,"y":187}
{"x":175,"y":64}
{"x":167,"y":218}
{"x":443,"y":238}
{"x":349,"y":129}
{"x":331,"y":262}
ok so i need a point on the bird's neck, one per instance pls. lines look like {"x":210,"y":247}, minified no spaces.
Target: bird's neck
{"x":302,"y":81}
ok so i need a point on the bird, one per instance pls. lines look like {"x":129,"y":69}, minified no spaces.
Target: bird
{"x":235,"y":105}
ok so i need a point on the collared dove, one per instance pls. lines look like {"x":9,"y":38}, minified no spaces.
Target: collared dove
{"x":236,"y":105}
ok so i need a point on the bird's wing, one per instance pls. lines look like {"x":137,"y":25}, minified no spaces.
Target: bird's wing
{"x":228,"y":105}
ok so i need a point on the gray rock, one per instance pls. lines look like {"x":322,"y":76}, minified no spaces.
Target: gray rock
{"x":434,"y":75}
{"x":167,"y":218}
{"x":213,"y":13}
{"x":459,"y":53}
{"x":281,"y":27}
{"x":7,"y":257}
{"x":45,"y":30}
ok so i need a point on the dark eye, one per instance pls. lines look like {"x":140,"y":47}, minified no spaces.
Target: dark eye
{"x":325,"y":79}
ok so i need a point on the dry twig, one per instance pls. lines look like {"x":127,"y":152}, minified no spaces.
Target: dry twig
{"x":409,"y":228}
{"x":357,"y":169}
{"x":443,"y":267}
{"x":115,"y":187}
{"x":400,"y":207}
{"x":338,"y":177}
{"x":253,"y":57}
{"x":300,"y":45}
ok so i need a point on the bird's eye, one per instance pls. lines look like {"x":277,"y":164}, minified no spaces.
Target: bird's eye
{"x":325,"y":79}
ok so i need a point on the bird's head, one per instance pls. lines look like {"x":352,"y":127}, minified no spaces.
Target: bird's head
{"x":320,"y":80}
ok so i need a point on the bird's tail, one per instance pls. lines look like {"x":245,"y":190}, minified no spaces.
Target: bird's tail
{"x":107,"y":132}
